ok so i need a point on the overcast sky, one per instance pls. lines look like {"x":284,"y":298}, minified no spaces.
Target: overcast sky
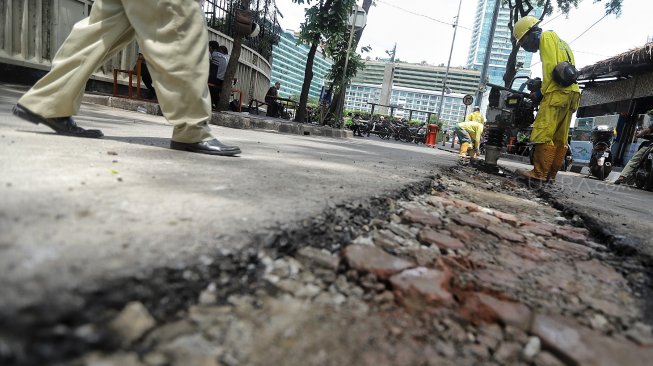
{"x":417,"y":28}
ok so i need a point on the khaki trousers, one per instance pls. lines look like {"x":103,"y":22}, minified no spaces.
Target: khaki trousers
{"x":552,"y":122}
{"x":173,"y":38}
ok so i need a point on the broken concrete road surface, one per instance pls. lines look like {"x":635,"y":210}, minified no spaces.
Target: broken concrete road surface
{"x":304,"y":251}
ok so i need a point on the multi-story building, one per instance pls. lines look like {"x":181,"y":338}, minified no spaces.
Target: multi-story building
{"x":411,"y":86}
{"x":289,"y":63}
{"x":501,"y":45}
{"x":421,"y":101}
{"x":420,"y":76}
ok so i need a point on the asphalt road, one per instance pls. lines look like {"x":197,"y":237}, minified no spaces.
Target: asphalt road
{"x":624,"y":212}
{"x":75,"y":212}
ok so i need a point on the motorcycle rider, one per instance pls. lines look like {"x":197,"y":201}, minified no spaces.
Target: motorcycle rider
{"x":558,"y":102}
{"x":627,"y":174}
{"x":469,"y":133}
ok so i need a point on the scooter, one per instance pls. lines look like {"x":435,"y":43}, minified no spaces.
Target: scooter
{"x":601,"y":158}
{"x":644,"y":170}
{"x":418,"y":133}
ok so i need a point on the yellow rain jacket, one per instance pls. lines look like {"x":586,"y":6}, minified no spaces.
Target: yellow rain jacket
{"x":475,"y":117}
{"x":560,"y":102}
{"x":475,"y":130}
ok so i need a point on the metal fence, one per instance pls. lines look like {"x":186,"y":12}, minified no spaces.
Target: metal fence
{"x":220,"y":15}
{"x":31,"y":31}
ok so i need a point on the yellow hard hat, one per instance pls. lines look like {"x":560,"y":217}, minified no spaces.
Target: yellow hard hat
{"x":523,"y":25}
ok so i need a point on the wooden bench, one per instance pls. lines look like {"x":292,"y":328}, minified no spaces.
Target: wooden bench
{"x":130,"y":86}
{"x":256,"y":103}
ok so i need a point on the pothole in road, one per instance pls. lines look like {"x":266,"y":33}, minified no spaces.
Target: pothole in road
{"x":464,"y":268}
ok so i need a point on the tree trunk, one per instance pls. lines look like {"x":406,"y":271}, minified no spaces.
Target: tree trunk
{"x":308,"y":78}
{"x":232,"y":66}
{"x":511,"y":66}
{"x":333,"y":107}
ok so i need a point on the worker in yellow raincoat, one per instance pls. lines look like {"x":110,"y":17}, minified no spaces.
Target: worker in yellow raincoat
{"x":559,"y":98}
{"x":475,"y":116}
{"x":469,"y":136}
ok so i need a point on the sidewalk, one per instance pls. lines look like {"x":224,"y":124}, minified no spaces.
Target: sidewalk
{"x":243,"y":120}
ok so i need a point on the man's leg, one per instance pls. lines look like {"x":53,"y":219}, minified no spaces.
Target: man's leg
{"x":561,"y":135}
{"x":464,"y":139}
{"x":91,"y":41}
{"x":629,"y":169}
{"x":174,"y":40}
{"x":57,"y":96}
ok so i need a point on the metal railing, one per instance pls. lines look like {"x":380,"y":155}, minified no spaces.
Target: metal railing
{"x":220,"y":15}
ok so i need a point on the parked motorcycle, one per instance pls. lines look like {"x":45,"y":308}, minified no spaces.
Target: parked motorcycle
{"x":601,"y":158}
{"x":644,"y":170}
{"x":418,"y":133}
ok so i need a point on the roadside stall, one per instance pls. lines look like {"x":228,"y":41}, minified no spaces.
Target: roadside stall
{"x":617,"y":92}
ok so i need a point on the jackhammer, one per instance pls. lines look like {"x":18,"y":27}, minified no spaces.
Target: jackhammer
{"x":507,"y":109}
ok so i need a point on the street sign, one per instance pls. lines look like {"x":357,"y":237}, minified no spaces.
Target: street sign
{"x":468,"y":99}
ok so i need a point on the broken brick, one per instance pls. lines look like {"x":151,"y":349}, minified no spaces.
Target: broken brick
{"x":581,"y":346}
{"x":440,"y":240}
{"x":421,"y":287}
{"x":574,"y":249}
{"x":505,"y":234}
{"x":481,"y":307}
{"x":417,"y":215}
{"x":367,"y":258}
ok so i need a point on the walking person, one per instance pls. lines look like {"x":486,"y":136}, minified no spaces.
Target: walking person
{"x":559,"y":98}
{"x":172,"y":36}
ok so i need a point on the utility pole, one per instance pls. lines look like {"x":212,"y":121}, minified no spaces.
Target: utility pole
{"x":488,"y":50}
{"x":446,"y":74}
{"x":353,"y":19}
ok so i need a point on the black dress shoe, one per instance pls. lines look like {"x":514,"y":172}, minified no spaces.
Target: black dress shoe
{"x":211,"y":147}
{"x":62,"y":125}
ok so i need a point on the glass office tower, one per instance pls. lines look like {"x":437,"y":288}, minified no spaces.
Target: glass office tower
{"x":501,"y":45}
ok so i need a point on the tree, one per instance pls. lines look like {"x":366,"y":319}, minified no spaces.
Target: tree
{"x":232,"y":66}
{"x":355,"y":63}
{"x":322,"y":22}
{"x":521,"y":8}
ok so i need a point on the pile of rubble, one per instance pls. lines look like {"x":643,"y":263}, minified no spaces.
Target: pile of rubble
{"x":479,"y":271}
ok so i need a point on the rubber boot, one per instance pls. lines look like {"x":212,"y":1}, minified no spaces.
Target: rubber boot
{"x":558,"y":159}
{"x":463,"y":149}
{"x":542,"y":162}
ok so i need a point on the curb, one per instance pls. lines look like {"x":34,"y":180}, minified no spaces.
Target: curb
{"x":243,"y":121}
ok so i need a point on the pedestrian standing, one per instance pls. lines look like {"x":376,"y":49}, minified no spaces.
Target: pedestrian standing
{"x":559,"y":98}
{"x":172,"y":36}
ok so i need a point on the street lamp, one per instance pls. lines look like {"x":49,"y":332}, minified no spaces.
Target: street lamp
{"x":357,"y":20}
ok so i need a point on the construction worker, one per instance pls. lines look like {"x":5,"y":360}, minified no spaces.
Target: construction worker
{"x":469,"y":136}
{"x":475,"y":116}
{"x":558,"y":98}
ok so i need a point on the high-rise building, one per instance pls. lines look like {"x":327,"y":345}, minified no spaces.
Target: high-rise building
{"x":289,"y":63}
{"x":359,"y":96}
{"x":420,"y":76}
{"x":416,"y":87}
{"x":501,"y":45}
